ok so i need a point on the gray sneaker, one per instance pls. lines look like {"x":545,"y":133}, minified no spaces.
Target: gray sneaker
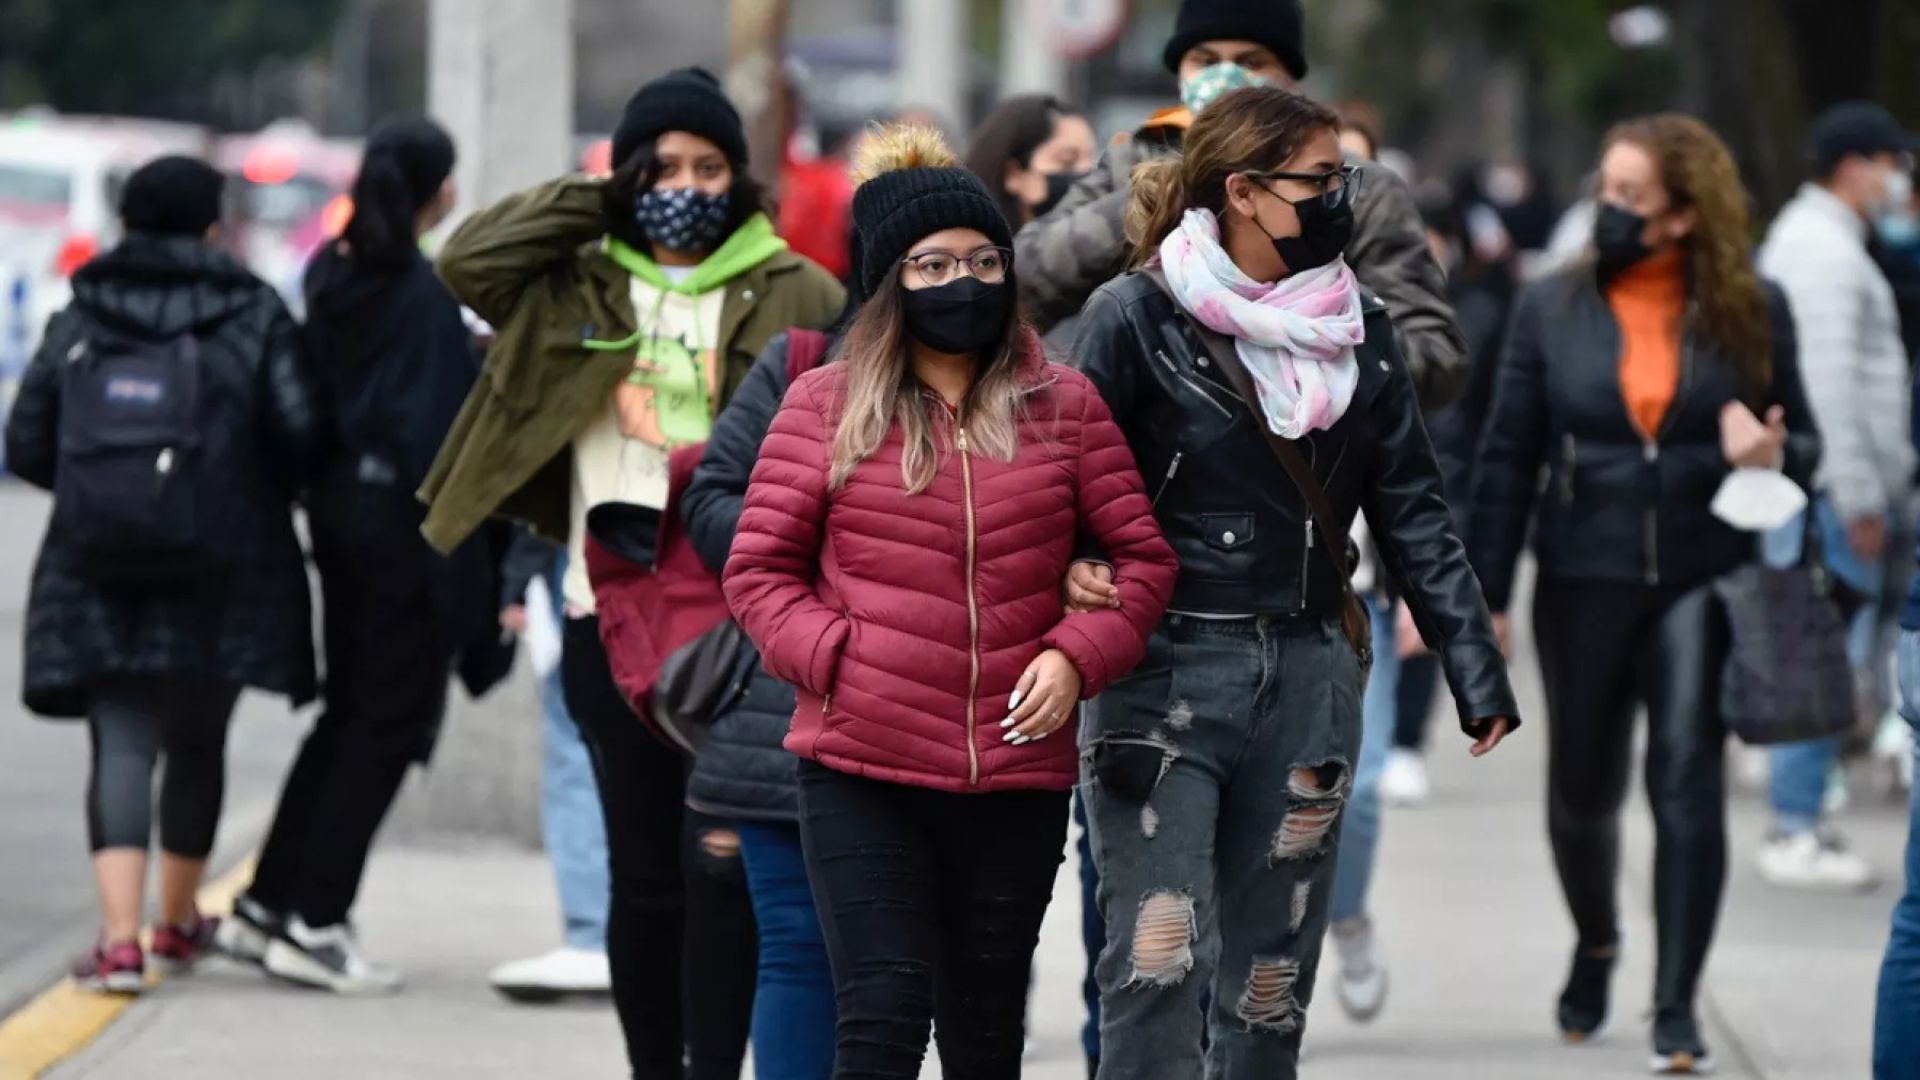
{"x":1363,"y":971}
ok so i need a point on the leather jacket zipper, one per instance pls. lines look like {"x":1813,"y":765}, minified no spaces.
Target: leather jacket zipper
{"x":1172,"y":467}
{"x":1569,"y":451}
{"x":1175,"y":371}
{"x":973,"y":609}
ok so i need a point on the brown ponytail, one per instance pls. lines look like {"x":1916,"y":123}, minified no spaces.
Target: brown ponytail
{"x":1246,"y":130}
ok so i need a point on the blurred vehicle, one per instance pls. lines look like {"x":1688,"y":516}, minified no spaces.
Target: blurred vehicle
{"x":60,"y":180}
{"x":288,"y":191}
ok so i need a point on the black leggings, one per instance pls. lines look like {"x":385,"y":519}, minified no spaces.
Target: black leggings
{"x":680,"y":932}
{"x":134,"y":721}
{"x":1606,"y":647}
{"x":931,"y":904}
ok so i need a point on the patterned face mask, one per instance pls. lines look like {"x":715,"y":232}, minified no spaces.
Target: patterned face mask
{"x":1200,"y":90}
{"x":683,"y":219}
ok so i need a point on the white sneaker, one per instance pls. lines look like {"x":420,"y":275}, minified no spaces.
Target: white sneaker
{"x":1363,"y":971}
{"x":330,"y":958}
{"x":1404,"y":780}
{"x":564,"y":972}
{"x":1808,"y":860}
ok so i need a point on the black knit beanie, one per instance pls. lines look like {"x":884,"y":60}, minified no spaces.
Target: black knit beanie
{"x":1277,"y":24}
{"x":687,"y":100}
{"x":173,"y":196}
{"x":912,"y":188}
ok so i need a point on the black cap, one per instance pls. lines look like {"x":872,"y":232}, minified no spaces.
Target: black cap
{"x":910,"y":188}
{"x":1855,"y":128}
{"x":173,"y":196}
{"x":1276,"y":24}
{"x":421,"y":150}
{"x":687,"y":100}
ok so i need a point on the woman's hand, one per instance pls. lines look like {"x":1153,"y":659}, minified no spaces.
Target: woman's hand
{"x":1492,"y":731}
{"x":1749,"y":444}
{"x":513,"y":618}
{"x":1044,"y":699}
{"x":1089,"y":587}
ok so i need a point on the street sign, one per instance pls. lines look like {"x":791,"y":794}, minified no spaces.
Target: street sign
{"x":1077,"y":29}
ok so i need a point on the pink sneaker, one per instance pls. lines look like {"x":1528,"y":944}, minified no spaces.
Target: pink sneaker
{"x":112,"y":969}
{"x":178,"y":948}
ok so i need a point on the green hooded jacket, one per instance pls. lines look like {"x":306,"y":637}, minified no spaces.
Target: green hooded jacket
{"x":537,"y":266}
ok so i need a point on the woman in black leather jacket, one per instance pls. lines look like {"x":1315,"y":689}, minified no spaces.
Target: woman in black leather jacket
{"x":1639,"y":379}
{"x":1216,"y":773}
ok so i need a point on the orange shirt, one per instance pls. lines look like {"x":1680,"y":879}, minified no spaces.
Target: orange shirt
{"x":1648,"y":300}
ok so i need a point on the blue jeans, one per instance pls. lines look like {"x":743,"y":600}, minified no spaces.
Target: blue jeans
{"x":1896,"y":1025}
{"x":793,"y":1010}
{"x":1360,"y":825}
{"x":1801,"y":770}
{"x":570,"y":820}
{"x":1093,"y":930}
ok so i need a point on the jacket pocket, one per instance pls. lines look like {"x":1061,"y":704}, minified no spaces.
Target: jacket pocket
{"x":1227,"y":532}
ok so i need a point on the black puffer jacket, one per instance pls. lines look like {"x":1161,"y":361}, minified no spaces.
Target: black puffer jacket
{"x":1242,"y":532}
{"x":1616,"y":507}
{"x":743,"y":772}
{"x":251,"y":625}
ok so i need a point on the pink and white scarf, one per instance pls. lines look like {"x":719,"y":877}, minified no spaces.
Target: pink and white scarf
{"x":1295,"y":336}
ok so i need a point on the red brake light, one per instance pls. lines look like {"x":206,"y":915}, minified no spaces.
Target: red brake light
{"x":78,"y":249}
{"x":268,"y":165}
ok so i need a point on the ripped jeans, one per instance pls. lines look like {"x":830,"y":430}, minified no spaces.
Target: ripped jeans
{"x":1215,"y":776}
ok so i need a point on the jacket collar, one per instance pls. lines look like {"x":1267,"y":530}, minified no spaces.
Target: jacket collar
{"x":1817,"y":202}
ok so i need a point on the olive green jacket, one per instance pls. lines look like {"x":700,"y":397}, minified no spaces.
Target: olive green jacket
{"x":532,"y":267}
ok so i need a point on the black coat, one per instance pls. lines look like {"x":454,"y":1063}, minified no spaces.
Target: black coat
{"x":251,"y":625}
{"x":1617,"y":507}
{"x":743,"y":772}
{"x":1241,"y":529}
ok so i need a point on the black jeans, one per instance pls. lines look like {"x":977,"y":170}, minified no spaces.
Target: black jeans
{"x":931,"y":904}
{"x":1606,"y":647}
{"x":1413,"y":701}
{"x":135,"y":721}
{"x":680,"y":932}
{"x":387,"y":668}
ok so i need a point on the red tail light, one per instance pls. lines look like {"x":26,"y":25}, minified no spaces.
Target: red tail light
{"x":74,"y":254}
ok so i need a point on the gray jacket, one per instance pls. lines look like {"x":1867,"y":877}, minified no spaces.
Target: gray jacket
{"x":1081,"y":244}
{"x":1850,"y":351}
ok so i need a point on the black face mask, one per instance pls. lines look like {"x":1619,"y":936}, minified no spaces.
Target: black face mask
{"x":1618,"y":239}
{"x":1324,"y":231}
{"x":959,"y":318}
{"x":1058,"y":184}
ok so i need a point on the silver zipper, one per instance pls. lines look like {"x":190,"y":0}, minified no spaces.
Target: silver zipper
{"x":1193,"y":386}
{"x":1652,"y":451}
{"x":1306,"y":553}
{"x":1172,"y":467}
{"x":164,"y":463}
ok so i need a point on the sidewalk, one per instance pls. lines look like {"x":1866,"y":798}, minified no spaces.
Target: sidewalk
{"x":1466,"y":901}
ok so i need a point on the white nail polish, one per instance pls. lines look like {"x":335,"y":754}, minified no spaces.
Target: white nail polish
{"x":1008,"y":722}
{"x":1014,"y":701}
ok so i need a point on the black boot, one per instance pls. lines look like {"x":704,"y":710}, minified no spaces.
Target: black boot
{"x":1583,"y":1003}
{"x":1678,"y":1049}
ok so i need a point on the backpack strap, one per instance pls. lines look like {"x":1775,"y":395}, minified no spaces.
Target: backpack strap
{"x":805,"y":350}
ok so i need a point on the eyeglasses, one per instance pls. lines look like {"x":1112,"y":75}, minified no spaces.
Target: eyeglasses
{"x":1336,"y":187}
{"x":987,"y":265}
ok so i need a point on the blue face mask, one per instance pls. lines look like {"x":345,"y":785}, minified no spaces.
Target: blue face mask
{"x":683,"y":219}
{"x":1201,"y":89}
{"x":1899,"y":230}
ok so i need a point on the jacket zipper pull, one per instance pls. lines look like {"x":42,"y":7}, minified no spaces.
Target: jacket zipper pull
{"x":163,"y":465}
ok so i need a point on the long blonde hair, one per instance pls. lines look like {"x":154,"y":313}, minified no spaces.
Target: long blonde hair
{"x":881,"y":387}
{"x":1246,"y":130}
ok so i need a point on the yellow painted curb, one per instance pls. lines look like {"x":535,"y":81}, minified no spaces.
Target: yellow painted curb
{"x":65,"y":1018}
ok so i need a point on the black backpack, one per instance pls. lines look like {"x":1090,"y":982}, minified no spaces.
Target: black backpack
{"x":133,"y":494}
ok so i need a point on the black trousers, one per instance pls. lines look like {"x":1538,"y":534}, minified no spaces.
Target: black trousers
{"x":136,"y":721}
{"x":387,"y":668}
{"x":1605,"y":648}
{"x":1413,"y":700}
{"x":680,"y":931}
{"x":931,"y":905}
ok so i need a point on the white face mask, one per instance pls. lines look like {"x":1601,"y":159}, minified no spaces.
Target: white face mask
{"x":1899,"y":191}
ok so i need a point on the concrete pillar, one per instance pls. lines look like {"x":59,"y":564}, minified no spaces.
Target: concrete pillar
{"x":501,"y":79}
{"x":933,"y":58}
{"x":1028,"y":65}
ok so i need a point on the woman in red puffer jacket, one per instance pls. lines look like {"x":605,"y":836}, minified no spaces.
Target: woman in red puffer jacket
{"x":898,"y":560}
